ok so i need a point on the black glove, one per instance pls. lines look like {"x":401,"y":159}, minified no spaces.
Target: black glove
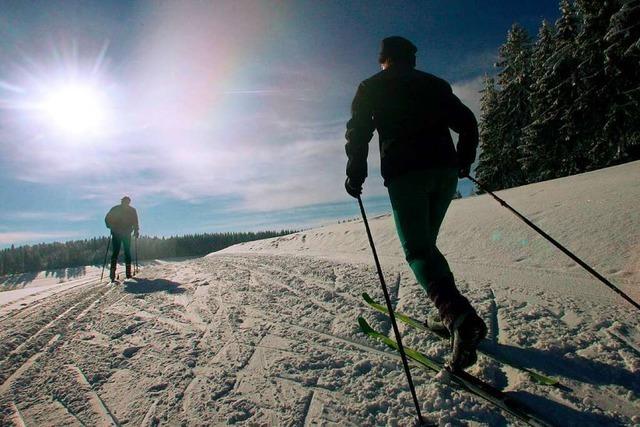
{"x":353,"y":187}
{"x":463,"y":171}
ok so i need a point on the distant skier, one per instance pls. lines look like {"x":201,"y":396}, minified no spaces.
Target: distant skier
{"x":122,"y":220}
{"x":413,"y":112}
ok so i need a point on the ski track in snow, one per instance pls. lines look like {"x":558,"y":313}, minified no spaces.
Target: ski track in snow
{"x":271,"y":338}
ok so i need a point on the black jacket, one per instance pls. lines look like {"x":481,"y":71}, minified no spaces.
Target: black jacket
{"x":122,"y":220}
{"x":412,"y":112}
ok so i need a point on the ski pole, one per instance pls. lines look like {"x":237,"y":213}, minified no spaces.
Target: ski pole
{"x":105,"y":257}
{"x":559,"y":246}
{"x":391,"y":314}
{"x":136,"y":250}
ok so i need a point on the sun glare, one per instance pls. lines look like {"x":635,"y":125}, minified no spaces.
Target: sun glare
{"x":75,"y":109}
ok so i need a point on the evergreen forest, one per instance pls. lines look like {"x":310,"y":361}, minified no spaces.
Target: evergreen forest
{"x":77,"y":253}
{"x":566,"y":101}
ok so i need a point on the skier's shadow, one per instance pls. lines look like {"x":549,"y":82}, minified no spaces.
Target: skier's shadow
{"x":576,"y":367}
{"x":149,"y":286}
{"x":558,"y":414}
{"x":554,"y":413}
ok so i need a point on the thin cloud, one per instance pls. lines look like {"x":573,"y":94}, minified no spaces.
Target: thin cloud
{"x":17,"y":237}
{"x":184,"y":138}
{"x":50,"y":216}
{"x":253,"y":92}
{"x":190,"y":139}
{"x":4,"y":85}
{"x":476,"y":63}
{"x":279,"y":91}
{"x":469,"y":93}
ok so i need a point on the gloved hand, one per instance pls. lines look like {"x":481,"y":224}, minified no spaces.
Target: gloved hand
{"x":463,"y":171}
{"x":353,"y":187}
{"x":136,"y":234}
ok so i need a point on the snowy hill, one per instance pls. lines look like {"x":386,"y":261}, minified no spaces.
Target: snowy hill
{"x":594,"y":214}
{"x":265,"y":333}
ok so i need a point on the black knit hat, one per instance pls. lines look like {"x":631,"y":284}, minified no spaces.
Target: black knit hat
{"x":398,"y":49}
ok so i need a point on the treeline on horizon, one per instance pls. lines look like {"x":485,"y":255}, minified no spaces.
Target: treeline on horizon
{"x":568,"y":101}
{"x":78,"y":253}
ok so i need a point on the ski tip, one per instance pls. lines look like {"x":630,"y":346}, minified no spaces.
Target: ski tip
{"x":364,"y":325}
{"x":548,"y":381}
{"x":367,"y":297}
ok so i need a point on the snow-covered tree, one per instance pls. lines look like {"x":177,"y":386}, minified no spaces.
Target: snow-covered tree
{"x":594,"y":88}
{"x":489,"y":168}
{"x":512,"y":113}
{"x":622,"y":61}
{"x":539,"y":134}
{"x":561,"y":79}
{"x":569,"y":104}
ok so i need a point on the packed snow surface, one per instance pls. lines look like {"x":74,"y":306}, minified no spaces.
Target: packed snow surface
{"x":265,"y":333}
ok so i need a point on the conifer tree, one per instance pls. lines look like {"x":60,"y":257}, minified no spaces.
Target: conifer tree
{"x":594,"y":88}
{"x":501,"y":168}
{"x":622,"y":125}
{"x":514,"y":79}
{"x":562,"y":80}
{"x":578,"y":99}
{"x":489,"y":162}
{"x":539,"y":134}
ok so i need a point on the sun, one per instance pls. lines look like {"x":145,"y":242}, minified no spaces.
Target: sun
{"x":75,"y":109}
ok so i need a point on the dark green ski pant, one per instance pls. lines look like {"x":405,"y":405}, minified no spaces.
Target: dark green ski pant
{"x":420,"y":200}
{"x":118,"y":240}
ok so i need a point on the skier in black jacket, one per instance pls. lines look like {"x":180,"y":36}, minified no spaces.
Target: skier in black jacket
{"x":413,"y":112}
{"x":122,"y":219}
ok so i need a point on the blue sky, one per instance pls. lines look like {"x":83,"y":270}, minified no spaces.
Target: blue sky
{"x":213,"y":116}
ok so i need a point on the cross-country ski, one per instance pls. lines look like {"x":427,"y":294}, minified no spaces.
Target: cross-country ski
{"x":468,"y":382}
{"x":485,"y":348}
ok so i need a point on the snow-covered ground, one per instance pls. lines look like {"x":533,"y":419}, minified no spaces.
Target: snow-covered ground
{"x":265,"y":333}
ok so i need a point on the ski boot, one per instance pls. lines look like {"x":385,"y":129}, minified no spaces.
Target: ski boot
{"x":435,"y":323}
{"x":112,"y":273}
{"x":465,"y":327}
{"x":465,"y":337}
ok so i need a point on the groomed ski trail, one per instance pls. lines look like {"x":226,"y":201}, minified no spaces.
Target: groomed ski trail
{"x":272,"y":339}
